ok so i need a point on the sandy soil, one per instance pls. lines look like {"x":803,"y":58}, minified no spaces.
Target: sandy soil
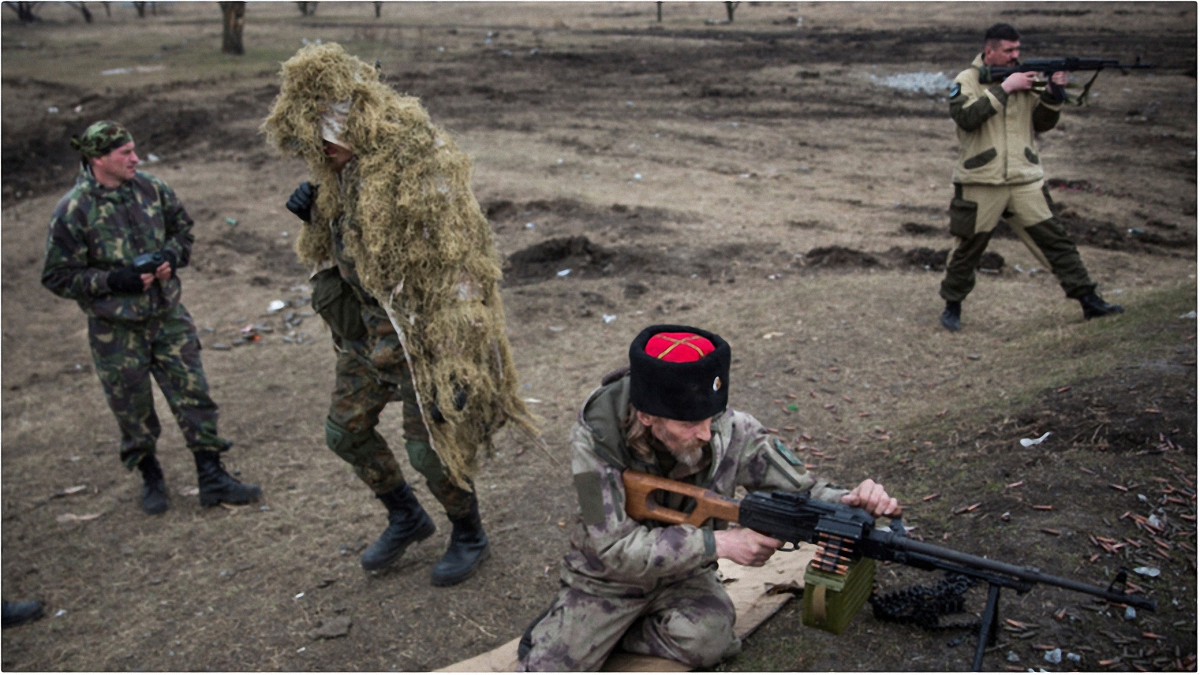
{"x":760,"y":179}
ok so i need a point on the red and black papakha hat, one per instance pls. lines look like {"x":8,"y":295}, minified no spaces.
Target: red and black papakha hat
{"x":679,"y":372}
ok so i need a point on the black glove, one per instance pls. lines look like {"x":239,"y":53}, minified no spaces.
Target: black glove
{"x":125,"y":280}
{"x":301,"y":201}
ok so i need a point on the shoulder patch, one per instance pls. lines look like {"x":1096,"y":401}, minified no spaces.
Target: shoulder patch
{"x":786,"y":453}
{"x":591,"y":497}
{"x":955,"y":90}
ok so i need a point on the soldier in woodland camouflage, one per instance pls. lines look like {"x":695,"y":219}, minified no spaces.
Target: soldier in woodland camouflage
{"x":137,"y":327}
{"x":647,"y":587}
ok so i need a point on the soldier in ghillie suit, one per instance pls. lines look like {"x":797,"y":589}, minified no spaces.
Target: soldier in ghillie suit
{"x":999,"y":174}
{"x":648,"y":587}
{"x":115,"y":242}
{"x":407,"y":276}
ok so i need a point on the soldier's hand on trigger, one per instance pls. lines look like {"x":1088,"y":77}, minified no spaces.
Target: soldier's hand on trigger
{"x":301,"y":201}
{"x":165,"y":271}
{"x":1019,"y":82}
{"x":1059,"y":78}
{"x":745,"y":546}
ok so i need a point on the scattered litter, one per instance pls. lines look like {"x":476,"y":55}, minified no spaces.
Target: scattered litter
{"x":72,"y":518}
{"x":283,"y":234}
{"x":52,"y":110}
{"x":60,"y":612}
{"x":530,"y":226}
{"x":557,"y":329}
{"x":135,"y":69}
{"x":299,"y":595}
{"x":1130,"y":613}
{"x":1154,"y":521}
{"x":1012,"y":657}
{"x":772,"y":335}
{"x":1189,"y":315}
{"x":230,"y":221}
{"x":974,"y":357}
{"x":637,"y":176}
{"x":189,"y":491}
{"x":301,"y":650}
{"x":505,"y":52}
{"x":1054,"y":655}
{"x":1073,"y":657}
{"x":1147,"y":571}
{"x":609,"y":318}
{"x":79,"y":108}
{"x":220,"y":346}
{"x":1029,"y":442}
{"x":151,"y":158}
{"x":69,"y":491}
{"x":563,"y":273}
{"x":924,"y":82}
{"x":532,"y":400}
{"x":276,"y":305}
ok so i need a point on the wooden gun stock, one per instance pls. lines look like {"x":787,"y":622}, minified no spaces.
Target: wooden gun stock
{"x":640,"y":505}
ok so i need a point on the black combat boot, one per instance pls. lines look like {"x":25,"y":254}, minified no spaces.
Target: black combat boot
{"x":407,"y":524}
{"x":154,"y":488}
{"x":18,"y":613}
{"x":951,"y":317}
{"x":1094,"y":306}
{"x":468,"y":548}
{"x":218,"y":486}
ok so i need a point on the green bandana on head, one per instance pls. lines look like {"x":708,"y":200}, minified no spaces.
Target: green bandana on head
{"x":100,"y":139}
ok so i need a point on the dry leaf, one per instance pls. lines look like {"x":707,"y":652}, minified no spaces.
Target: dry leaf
{"x":71,"y":517}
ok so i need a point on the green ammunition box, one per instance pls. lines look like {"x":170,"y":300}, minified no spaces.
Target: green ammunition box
{"x":832,"y":600}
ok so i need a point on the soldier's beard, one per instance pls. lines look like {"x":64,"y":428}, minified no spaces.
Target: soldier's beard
{"x":689,"y":456}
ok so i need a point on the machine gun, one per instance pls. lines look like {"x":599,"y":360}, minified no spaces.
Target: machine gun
{"x":990,"y":74}
{"x":844,"y":534}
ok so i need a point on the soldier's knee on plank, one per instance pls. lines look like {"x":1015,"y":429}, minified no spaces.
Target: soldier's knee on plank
{"x":355,"y":448}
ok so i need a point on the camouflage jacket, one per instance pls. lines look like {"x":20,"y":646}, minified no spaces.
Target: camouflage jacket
{"x":95,"y":230}
{"x":613,"y":555}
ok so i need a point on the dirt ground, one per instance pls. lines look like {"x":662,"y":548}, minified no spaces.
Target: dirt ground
{"x":760,"y":179}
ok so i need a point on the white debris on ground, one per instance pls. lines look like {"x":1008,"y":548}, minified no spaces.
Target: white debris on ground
{"x":923,"y":82}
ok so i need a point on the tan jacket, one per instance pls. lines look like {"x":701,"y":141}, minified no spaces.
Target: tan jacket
{"x":996,"y":130}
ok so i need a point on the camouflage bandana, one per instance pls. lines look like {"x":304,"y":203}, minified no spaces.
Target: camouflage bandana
{"x":100,"y":139}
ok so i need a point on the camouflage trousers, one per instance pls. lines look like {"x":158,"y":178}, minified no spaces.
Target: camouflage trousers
{"x":690,"y":622}
{"x":127,"y":354}
{"x":359,"y":396}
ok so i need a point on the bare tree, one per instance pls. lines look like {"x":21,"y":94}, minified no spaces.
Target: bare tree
{"x":107,"y":10}
{"x":87,"y":15}
{"x":659,"y":11}
{"x":729,"y":7}
{"x":24,"y":11}
{"x":141,"y":9}
{"x":307,"y":8}
{"x":378,"y":9}
{"x":235,"y":20}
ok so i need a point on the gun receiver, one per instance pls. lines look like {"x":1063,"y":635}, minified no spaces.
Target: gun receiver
{"x":990,"y":74}
{"x":844,"y":533}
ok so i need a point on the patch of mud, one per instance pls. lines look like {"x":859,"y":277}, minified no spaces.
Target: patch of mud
{"x":835,"y":257}
{"x":922,"y":230}
{"x":933,"y":260}
{"x":622,"y":219}
{"x":586,"y":259}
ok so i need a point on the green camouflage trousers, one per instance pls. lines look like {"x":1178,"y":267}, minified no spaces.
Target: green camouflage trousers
{"x":126,"y":354}
{"x":690,"y":622}
{"x":359,"y":396}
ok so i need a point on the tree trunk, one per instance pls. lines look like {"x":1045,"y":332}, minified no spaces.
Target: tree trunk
{"x":107,"y":10}
{"x":141,"y":9}
{"x":729,"y":7}
{"x":659,"y":11}
{"x":378,"y":8}
{"x":24,"y":11}
{"x":87,"y":15}
{"x":235,"y":21}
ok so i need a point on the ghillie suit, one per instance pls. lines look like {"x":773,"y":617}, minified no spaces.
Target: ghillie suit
{"x":421,"y":246}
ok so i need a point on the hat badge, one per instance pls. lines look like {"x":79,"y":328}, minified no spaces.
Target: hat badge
{"x":717,"y":384}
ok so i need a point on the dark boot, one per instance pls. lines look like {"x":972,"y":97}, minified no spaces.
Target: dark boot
{"x":951,"y":317}
{"x":468,"y":548}
{"x":1094,"y":306}
{"x":18,"y":613}
{"x":154,"y":488}
{"x":407,"y":524}
{"x":218,"y":486}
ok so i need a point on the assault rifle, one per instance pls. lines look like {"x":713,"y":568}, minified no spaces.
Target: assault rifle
{"x":844,"y":534}
{"x":990,"y":74}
